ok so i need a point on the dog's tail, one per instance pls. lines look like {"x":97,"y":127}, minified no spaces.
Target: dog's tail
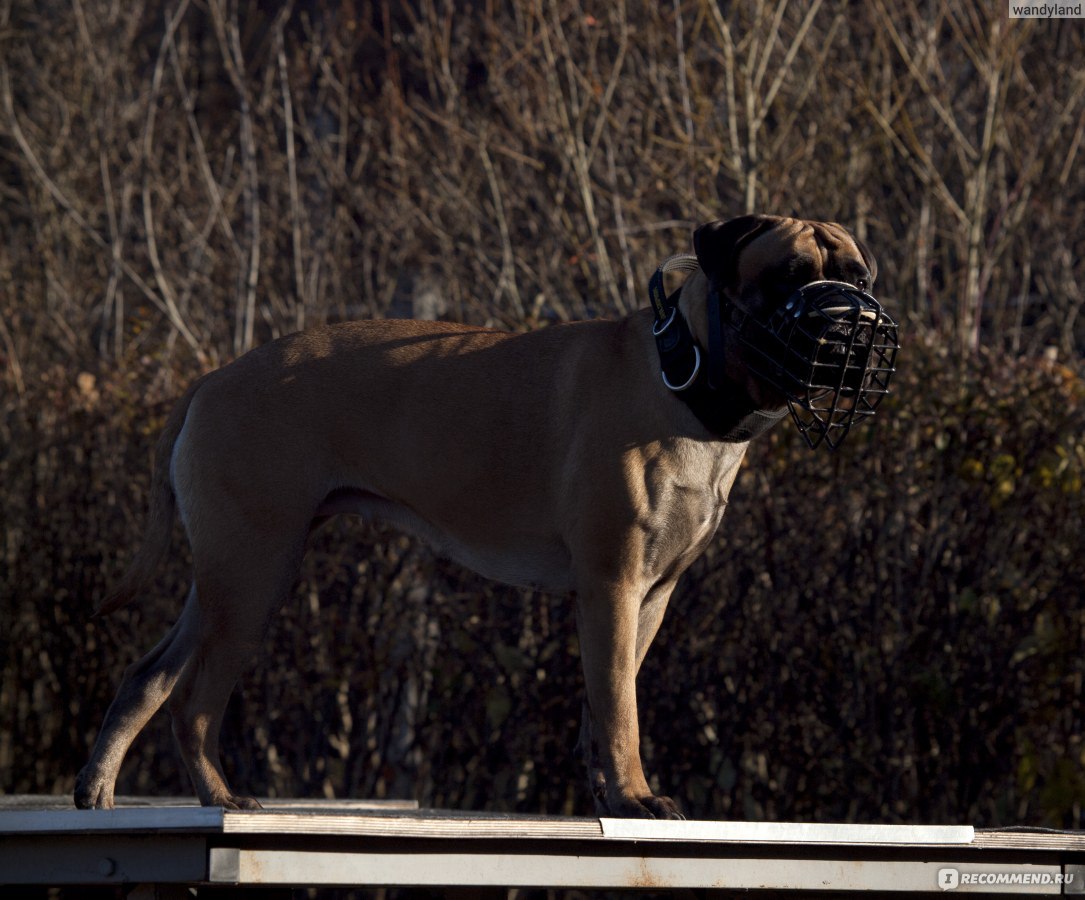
{"x":159,"y":527}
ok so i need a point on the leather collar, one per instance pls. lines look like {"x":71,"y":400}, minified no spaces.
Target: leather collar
{"x":721,"y":405}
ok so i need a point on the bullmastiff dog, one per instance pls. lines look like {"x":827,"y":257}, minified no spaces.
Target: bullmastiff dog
{"x":591,"y":458}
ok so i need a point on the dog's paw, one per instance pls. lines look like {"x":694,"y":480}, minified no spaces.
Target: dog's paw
{"x":91,"y":792}
{"x":238,"y":803}
{"x":648,"y":807}
{"x":661,"y":807}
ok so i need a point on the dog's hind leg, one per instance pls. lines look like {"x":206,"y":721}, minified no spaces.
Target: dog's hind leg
{"x":236,"y":607}
{"x":145,"y":687}
{"x":588,"y":752}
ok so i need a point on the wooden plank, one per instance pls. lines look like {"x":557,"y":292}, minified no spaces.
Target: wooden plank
{"x":1029,"y":839}
{"x":419,"y":824}
{"x":336,"y":804}
{"x":808,"y":833}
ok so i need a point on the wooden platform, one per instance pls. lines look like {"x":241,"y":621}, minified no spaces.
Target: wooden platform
{"x":354,"y":843}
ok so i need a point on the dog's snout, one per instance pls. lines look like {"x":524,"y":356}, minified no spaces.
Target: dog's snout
{"x":830,"y":348}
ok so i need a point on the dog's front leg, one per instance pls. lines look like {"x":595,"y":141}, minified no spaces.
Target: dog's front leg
{"x":607,"y":621}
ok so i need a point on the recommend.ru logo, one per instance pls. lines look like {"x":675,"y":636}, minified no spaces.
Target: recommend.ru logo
{"x":948,"y":879}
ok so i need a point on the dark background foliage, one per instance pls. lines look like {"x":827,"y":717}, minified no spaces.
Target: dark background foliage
{"x":892,"y":633}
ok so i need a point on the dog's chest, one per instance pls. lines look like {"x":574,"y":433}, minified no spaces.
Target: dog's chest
{"x":685,"y":495}
{"x":676,"y":532}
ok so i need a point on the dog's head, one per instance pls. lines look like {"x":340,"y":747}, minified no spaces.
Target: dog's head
{"x":800,"y":326}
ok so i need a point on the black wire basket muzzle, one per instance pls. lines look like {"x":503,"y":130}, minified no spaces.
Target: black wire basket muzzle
{"x":830,"y":350}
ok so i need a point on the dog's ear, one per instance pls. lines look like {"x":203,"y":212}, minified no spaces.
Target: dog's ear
{"x":718,"y":245}
{"x":868,"y":259}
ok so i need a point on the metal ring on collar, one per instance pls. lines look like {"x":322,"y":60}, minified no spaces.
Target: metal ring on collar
{"x":658,"y":329}
{"x":693,"y":375}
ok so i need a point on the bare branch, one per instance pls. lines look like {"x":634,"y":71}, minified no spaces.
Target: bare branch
{"x":292,"y":178}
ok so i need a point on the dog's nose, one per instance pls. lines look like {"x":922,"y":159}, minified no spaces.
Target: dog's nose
{"x":847,"y":358}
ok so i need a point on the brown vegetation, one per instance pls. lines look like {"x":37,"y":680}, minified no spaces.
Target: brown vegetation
{"x":892,"y":633}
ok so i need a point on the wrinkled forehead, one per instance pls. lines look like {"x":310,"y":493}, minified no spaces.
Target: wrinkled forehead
{"x":816,"y":243}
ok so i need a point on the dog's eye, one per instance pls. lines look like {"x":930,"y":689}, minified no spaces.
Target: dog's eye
{"x":862,"y":283}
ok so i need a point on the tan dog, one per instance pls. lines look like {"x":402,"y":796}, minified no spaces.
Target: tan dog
{"x":556,"y":459}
